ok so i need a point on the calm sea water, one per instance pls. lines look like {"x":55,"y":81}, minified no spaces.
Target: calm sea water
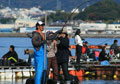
{"x":22,"y":43}
{"x":84,"y":81}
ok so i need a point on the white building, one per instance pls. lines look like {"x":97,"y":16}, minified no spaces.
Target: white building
{"x":25,"y":23}
{"x":113,"y":27}
{"x":76,"y":10}
{"x":6,"y":26}
{"x":92,"y":26}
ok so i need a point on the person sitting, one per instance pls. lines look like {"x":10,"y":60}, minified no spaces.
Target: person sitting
{"x":30,"y":52}
{"x":103,"y":55}
{"x":11,"y":55}
{"x":92,"y":55}
{"x":87,"y":49}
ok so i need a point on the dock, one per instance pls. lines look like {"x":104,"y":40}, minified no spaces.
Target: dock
{"x":83,"y":69}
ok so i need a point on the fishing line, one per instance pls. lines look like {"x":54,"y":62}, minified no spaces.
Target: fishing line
{"x":75,"y":10}
{"x":107,"y":40}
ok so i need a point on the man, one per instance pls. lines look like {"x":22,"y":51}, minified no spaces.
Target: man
{"x":30,"y":52}
{"x":11,"y":55}
{"x":115,"y":47}
{"x":38,"y":41}
{"x":38,"y":44}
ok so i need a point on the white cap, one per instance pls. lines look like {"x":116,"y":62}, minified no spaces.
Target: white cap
{"x":40,"y":23}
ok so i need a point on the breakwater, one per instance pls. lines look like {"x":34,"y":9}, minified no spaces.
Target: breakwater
{"x":83,"y":35}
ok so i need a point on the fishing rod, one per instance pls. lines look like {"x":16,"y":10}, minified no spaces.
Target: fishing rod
{"x":75,"y":10}
{"x":45,"y":46}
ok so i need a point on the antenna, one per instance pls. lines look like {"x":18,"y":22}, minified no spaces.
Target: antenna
{"x":58,"y":6}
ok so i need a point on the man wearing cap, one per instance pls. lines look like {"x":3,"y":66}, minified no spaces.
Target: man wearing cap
{"x":38,"y":44}
{"x":29,"y":52}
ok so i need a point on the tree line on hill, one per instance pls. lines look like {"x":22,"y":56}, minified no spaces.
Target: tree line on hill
{"x":105,"y":10}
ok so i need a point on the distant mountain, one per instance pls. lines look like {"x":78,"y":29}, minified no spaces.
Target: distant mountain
{"x":67,"y":5}
{"x":103,"y":10}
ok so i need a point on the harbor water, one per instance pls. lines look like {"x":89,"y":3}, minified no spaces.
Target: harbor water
{"x":21,"y":44}
{"x":84,"y":81}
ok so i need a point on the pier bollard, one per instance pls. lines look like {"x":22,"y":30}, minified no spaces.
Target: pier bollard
{"x":116,"y":74}
{"x":67,"y":82}
{"x":79,"y":73}
{"x":18,"y":75}
{"x":33,"y":73}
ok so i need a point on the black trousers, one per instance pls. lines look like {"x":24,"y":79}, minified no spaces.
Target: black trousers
{"x":78,"y":53}
{"x":64,"y":67}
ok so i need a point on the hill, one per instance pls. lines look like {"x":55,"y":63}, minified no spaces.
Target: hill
{"x":67,"y":5}
{"x":104,"y":10}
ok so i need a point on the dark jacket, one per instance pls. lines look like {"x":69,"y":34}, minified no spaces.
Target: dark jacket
{"x":87,"y":50}
{"x":12,"y":56}
{"x":36,"y":40}
{"x":92,"y":55}
{"x":115,"y":48}
{"x":63,"y":51}
{"x":103,"y":56}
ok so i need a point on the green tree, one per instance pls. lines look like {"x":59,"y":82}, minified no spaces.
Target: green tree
{"x":103,"y":10}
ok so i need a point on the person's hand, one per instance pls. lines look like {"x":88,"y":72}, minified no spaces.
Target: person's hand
{"x":4,"y":58}
{"x":55,"y":43}
{"x":59,"y":35}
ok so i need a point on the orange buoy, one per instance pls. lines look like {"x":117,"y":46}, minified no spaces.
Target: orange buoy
{"x":79,"y":73}
{"x":90,"y":46}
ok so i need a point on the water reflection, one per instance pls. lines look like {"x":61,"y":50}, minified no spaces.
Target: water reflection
{"x":84,"y":80}
{"x":12,"y":81}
